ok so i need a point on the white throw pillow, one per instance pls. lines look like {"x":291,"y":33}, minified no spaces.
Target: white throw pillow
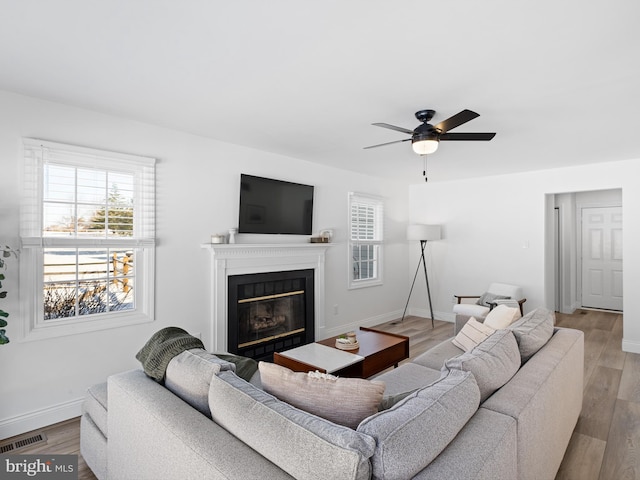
{"x":472,"y":334}
{"x":501,"y":317}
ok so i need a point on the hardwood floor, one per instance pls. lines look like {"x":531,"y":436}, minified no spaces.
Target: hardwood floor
{"x":605,"y":443}
{"x":61,"y":438}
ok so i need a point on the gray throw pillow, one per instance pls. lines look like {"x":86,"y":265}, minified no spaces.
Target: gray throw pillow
{"x":412,"y":434}
{"x":487,"y":298}
{"x":188,"y":376}
{"x":533,"y":331}
{"x":493,"y":362}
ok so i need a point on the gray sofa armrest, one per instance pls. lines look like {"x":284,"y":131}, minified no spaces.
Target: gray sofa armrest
{"x":154,"y":434}
{"x":545,"y":398}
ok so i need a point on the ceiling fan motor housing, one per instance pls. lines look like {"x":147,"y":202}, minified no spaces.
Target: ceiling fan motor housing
{"x":425,"y":132}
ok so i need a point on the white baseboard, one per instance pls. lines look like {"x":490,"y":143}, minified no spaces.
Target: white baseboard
{"x":386,"y":317}
{"x":630,"y":346}
{"x":36,"y":419}
{"x":425,"y":313}
{"x":368,"y":322}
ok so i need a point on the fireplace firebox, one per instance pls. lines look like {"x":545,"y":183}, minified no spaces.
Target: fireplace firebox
{"x":270,"y":312}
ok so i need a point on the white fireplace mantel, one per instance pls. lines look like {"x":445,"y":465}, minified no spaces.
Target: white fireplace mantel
{"x":241,"y":258}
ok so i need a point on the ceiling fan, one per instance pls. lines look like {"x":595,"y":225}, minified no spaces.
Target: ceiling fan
{"x":425,"y":138}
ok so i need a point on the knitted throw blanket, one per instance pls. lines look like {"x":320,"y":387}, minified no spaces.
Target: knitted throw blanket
{"x":162,"y":347}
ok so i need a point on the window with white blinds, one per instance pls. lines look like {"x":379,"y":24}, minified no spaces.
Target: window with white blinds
{"x":88,"y":239}
{"x":365,"y":240}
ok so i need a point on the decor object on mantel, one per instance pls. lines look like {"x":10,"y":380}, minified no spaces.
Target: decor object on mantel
{"x":324,"y":237}
{"x":423,"y":233}
{"x":6,"y":252}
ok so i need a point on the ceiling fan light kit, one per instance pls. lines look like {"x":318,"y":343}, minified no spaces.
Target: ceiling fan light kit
{"x":424,"y":146}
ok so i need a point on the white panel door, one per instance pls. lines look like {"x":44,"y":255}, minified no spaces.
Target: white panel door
{"x":602,"y":258}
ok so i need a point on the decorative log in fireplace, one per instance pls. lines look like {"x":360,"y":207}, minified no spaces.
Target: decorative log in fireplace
{"x":270,"y":312}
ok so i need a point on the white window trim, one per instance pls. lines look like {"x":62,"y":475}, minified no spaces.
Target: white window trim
{"x":379,"y":203}
{"x":31,"y":265}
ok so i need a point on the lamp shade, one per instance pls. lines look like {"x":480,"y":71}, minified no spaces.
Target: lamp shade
{"x":424,"y":232}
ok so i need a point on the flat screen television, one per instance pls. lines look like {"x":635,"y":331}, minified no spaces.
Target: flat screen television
{"x":275,"y":206}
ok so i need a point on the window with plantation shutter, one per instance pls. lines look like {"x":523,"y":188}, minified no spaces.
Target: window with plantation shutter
{"x":365,"y":240}
{"x":88,"y":239}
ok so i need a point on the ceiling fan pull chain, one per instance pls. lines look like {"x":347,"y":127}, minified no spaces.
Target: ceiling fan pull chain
{"x":424,"y":168}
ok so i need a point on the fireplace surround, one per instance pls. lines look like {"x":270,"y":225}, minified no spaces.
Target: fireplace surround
{"x":243,"y":259}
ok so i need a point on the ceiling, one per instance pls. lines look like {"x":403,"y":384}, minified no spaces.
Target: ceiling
{"x":557,"y":81}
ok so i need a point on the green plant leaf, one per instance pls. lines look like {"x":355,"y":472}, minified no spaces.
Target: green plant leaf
{"x":3,"y":338}
{"x":1,"y":276}
{"x":3,"y":314}
{"x":3,"y":323}
{"x":3,"y":294}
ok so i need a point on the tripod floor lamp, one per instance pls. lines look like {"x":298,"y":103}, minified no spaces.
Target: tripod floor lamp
{"x":423,"y":233}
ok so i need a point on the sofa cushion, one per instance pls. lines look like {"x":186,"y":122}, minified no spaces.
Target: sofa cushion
{"x":302,"y":444}
{"x":436,"y":356}
{"x":95,"y":406}
{"x":407,"y":377}
{"x":493,"y":362}
{"x":533,"y":331}
{"x":188,"y":376}
{"x":414,"y":432}
{"x":472,"y":334}
{"x":345,"y":401}
{"x":502,"y":316}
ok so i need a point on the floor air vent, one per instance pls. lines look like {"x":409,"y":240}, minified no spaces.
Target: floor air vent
{"x":19,"y":443}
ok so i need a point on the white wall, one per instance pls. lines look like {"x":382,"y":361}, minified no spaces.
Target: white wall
{"x":197,"y":195}
{"x":500,"y":228}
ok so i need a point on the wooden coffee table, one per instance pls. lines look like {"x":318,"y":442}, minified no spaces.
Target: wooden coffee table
{"x":378,"y":351}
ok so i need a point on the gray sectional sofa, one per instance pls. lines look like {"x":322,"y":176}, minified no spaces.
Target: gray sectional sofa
{"x":504,"y":410}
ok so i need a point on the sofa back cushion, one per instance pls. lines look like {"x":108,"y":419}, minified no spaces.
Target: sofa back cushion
{"x":345,"y":401}
{"x":414,"y":431}
{"x":302,"y":444}
{"x":493,"y":362}
{"x":533,"y":331}
{"x":188,"y":376}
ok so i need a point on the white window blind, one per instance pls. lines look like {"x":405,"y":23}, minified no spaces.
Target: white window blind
{"x":366,"y":238}
{"x":88,"y":237}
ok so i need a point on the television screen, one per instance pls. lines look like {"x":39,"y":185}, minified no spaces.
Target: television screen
{"x":275,"y":206}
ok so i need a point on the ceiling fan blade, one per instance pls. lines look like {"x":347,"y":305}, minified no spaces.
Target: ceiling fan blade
{"x":467,"y":136}
{"x":388,"y":143}
{"x":458,"y":119}
{"x":393,"y":127}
